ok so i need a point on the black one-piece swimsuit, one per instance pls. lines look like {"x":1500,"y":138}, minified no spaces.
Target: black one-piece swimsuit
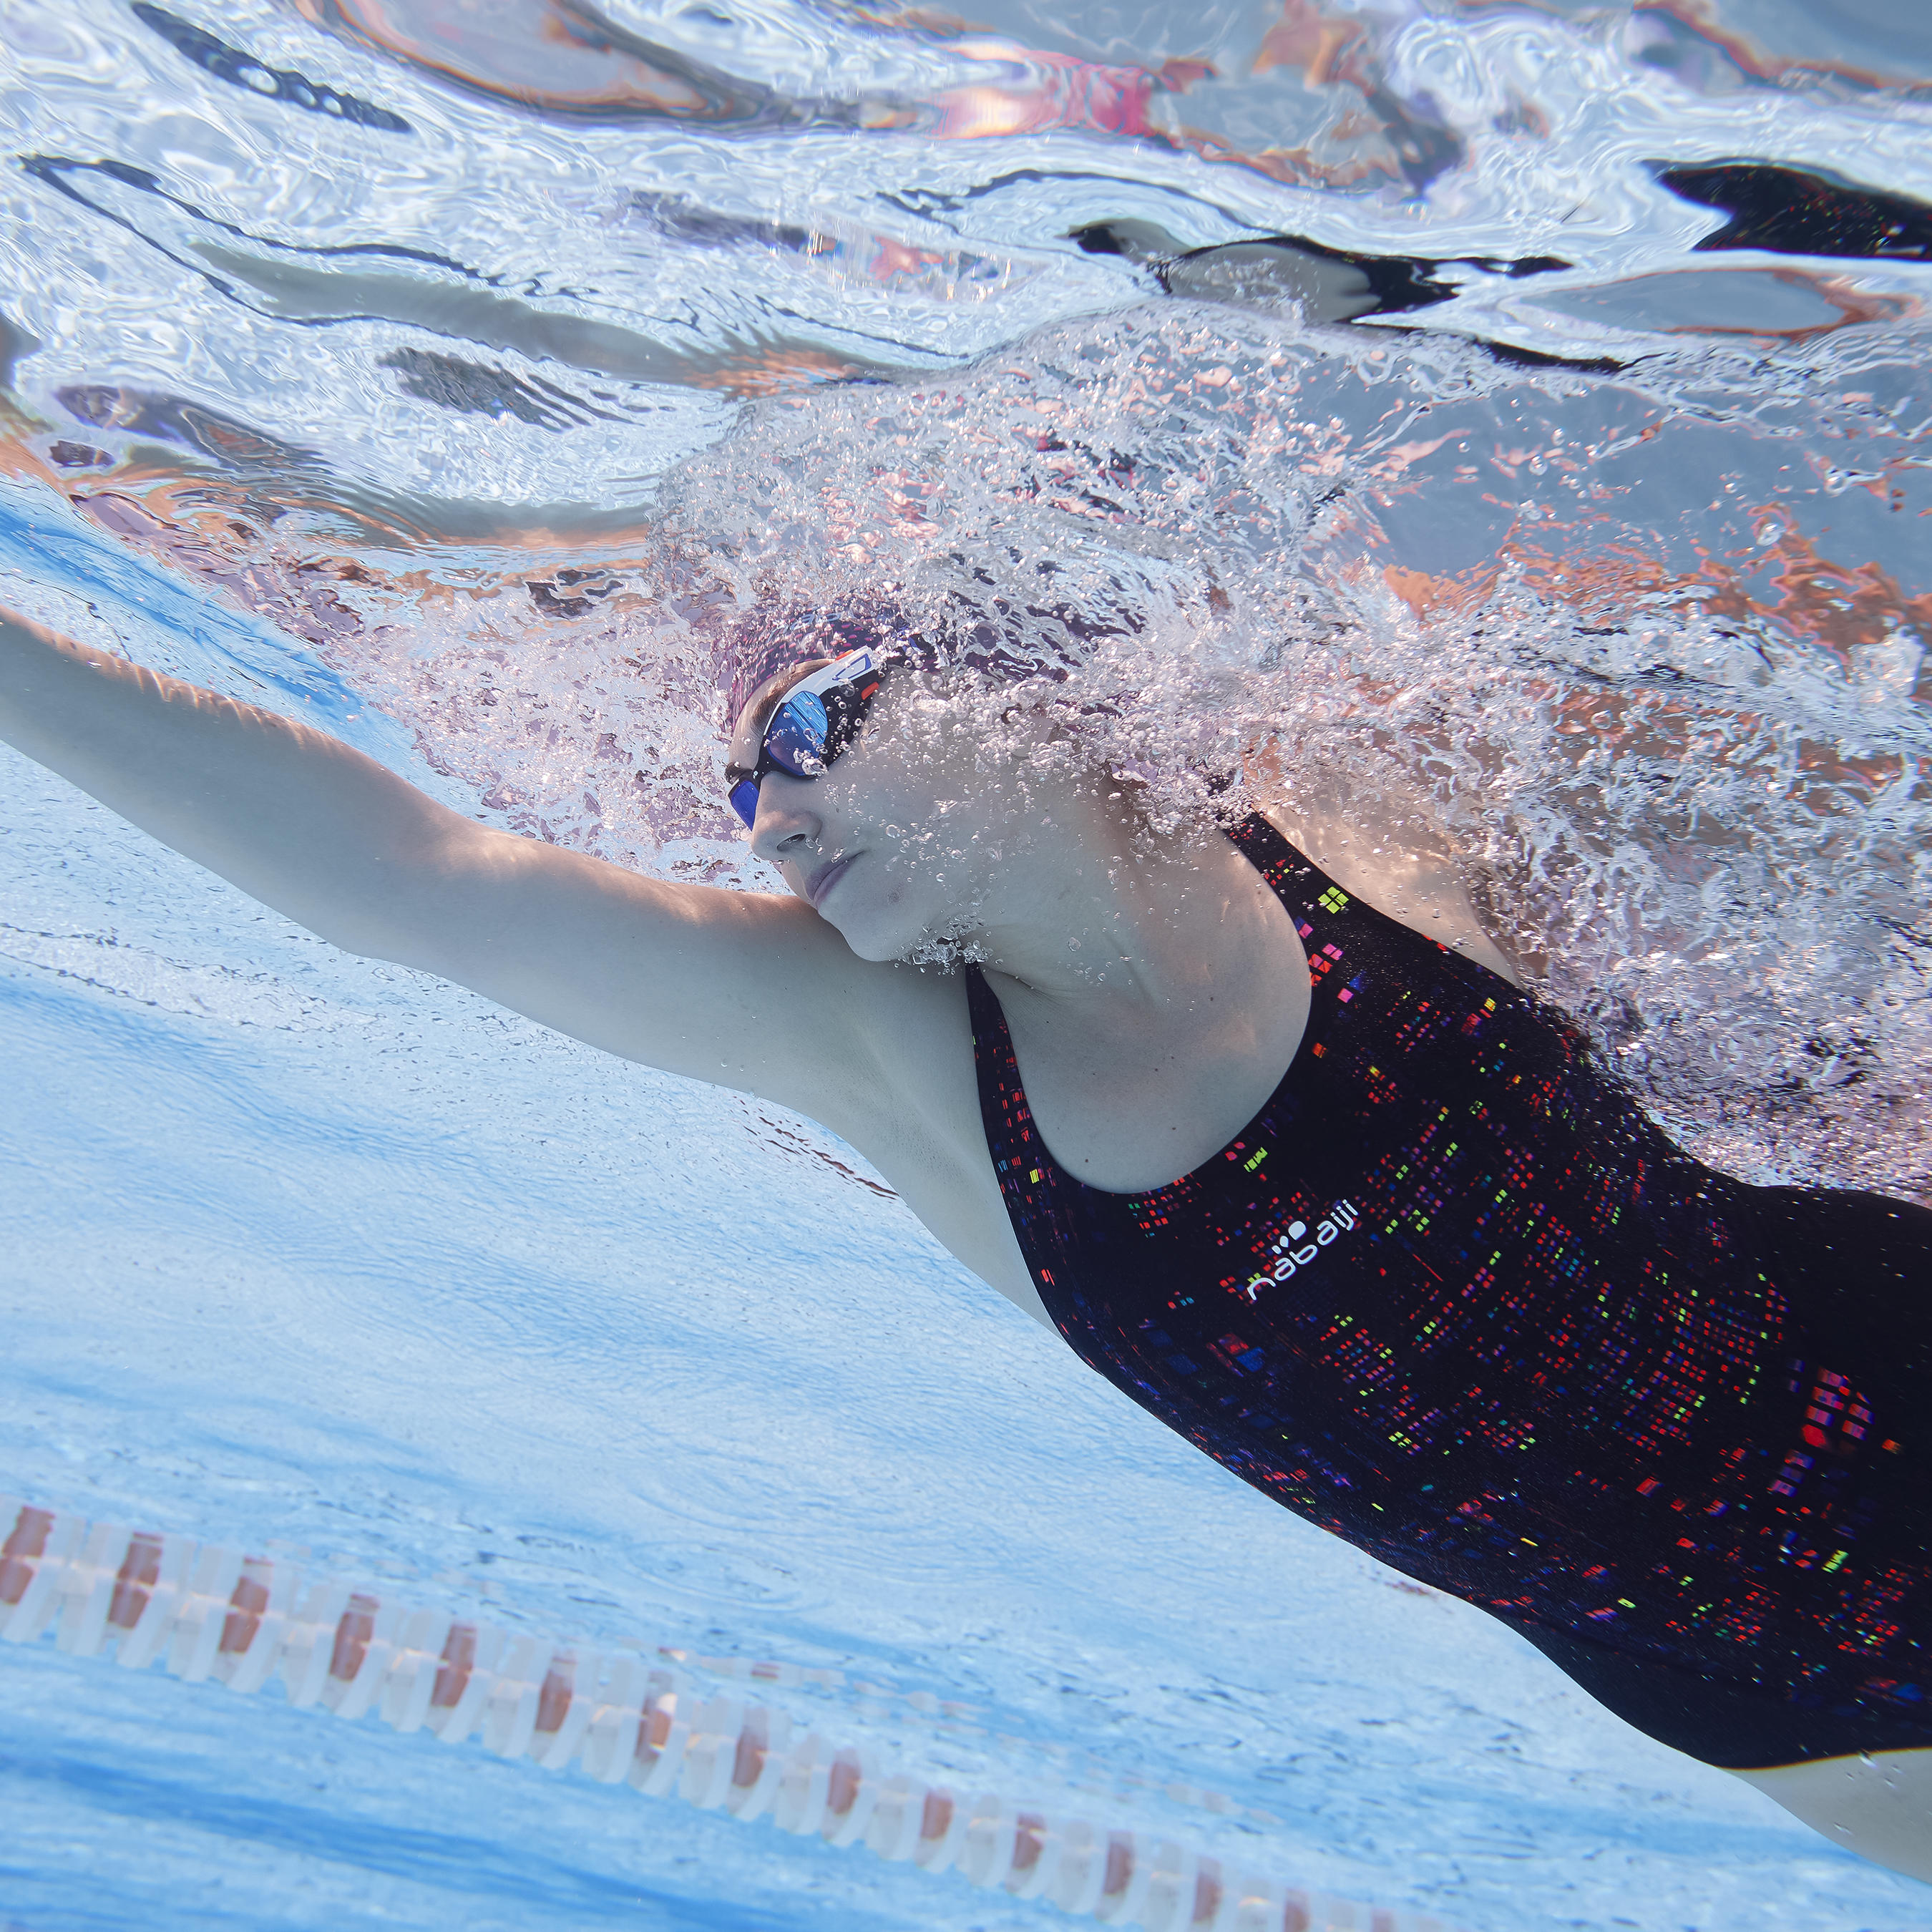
{"x":1451,"y":1296}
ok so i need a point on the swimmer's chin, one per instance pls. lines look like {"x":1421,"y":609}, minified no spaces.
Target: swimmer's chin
{"x":861,"y":933}
{"x":881,"y":948}
{"x":949,"y":948}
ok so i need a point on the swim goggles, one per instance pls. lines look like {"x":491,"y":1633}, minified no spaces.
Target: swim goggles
{"x":802,"y":724}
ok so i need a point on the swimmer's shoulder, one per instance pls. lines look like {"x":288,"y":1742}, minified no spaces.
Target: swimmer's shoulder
{"x":1406,"y":871}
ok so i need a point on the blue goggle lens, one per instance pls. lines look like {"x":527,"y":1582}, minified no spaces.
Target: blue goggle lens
{"x":745,"y":801}
{"x":803,"y":735}
{"x":795,"y":739}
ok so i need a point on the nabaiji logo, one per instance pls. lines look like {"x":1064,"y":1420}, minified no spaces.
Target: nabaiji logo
{"x":1289,"y":1258}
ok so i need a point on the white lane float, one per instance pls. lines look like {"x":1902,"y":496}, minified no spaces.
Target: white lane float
{"x":210,"y":1613}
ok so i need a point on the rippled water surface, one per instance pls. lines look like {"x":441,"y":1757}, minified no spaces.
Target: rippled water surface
{"x":1519,"y":411}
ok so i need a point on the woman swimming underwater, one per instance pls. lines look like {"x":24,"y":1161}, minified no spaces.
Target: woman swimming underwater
{"x":1428,"y":1277}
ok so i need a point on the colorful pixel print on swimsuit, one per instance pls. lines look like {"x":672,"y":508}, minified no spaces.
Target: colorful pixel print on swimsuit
{"x":1451,"y":1296}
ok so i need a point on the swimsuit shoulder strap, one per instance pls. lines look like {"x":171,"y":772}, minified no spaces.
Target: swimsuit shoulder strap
{"x":983,"y":1010}
{"x":1298,"y":882}
{"x":1003,"y":1112}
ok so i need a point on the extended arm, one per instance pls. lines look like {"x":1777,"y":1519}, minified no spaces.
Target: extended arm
{"x":687,"y":978}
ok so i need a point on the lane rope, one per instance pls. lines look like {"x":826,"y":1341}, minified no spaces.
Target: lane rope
{"x":211,"y":1613}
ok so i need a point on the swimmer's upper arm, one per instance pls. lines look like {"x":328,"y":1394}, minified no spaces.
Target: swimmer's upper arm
{"x":748,"y":990}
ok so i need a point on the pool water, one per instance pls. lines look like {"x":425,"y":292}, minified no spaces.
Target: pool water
{"x":1522,"y":407}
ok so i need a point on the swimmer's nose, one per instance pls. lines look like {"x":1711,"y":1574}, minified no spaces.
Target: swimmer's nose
{"x":787,"y":829}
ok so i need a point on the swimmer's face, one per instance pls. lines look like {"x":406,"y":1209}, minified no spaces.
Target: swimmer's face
{"x":911,"y":838}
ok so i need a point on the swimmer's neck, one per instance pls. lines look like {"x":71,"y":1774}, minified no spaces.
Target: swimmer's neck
{"x":1117,"y":926}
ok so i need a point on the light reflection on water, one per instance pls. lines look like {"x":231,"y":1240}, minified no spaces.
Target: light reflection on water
{"x":1568,"y":466}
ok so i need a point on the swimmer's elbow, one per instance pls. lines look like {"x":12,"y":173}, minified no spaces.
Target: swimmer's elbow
{"x":423,"y":905}
{"x":458,"y":901}
{"x":414,"y":939}
{"x":364,"y":937}
{"x":362,"y":931}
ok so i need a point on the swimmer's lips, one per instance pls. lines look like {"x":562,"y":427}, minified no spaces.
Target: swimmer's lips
{"x":825,"y":878}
